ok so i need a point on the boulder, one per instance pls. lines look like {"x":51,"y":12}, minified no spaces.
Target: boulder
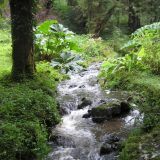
{"x":109,"y":110}
{"x":87,"y":115}
{"x":110,"y":144}
{"x":125,"y":107}
{"x":85,"y":103}
{"x":106,"y":149}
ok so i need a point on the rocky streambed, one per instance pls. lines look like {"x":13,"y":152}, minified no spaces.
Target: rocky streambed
{"x":94,"y":123}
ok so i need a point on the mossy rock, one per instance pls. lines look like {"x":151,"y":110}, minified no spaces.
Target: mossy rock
{"x":108,"y":111}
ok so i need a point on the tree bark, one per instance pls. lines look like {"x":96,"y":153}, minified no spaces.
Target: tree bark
{"x":101,"y":23}
{"x":22,"y":38}
{"x":133,"y":18}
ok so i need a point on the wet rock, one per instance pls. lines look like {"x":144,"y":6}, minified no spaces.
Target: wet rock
{"x":98,"y":119}
{"x":73,"y":86}
{"x":106,"y":149}
{"x":101,"y":101}
{"x":101,"y":114}
{"x":85,"y":103}
{"x":111,"y":144}
{"x":125,"y":107}
{"x":112,"y":138}
{"x":108,"y":111}
{"x":93,"y":81}
{"x":62,"y":141}
{"x":82,"y":86}
{"x":87,"y":115}
{"x":63,"y":111}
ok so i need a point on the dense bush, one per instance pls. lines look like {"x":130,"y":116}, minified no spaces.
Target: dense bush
{"x":26,"y":114}
{"x":52,"y":39}
{"x":23,"y":140}
{"x":143,"y":56}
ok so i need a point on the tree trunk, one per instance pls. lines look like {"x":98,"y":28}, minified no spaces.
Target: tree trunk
{"x":22,"y":38}
{"x":100,"y":25}
{"x":90,"y":14}
{"x":71,"y":2}
{"x":133,"y":18}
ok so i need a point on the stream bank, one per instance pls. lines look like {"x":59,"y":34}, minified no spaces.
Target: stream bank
{"x":80,"y":138}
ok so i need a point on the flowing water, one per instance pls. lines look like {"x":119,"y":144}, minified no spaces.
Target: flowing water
{"x":79,"y":138}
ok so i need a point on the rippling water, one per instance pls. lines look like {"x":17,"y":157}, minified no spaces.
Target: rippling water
{"x":79,"y":138}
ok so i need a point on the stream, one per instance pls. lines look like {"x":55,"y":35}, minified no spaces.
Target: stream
{"x":78,"y":138}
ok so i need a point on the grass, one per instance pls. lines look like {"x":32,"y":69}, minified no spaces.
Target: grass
{"x":5,"y":52}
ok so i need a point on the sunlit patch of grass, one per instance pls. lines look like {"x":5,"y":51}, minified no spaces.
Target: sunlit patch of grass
{"x":5,"y":52}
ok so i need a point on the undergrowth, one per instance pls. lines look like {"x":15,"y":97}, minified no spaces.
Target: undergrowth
{"x":28,"y":109}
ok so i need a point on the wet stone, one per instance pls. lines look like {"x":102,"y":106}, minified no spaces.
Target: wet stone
{"x":110,"y":110}
{"x":87,"y":115}
{"x":106,"y":149}
{"x":72,"y":86}
{"x":111,"y":144}
{"x":85,"y":103}
{"x":82,"y":86}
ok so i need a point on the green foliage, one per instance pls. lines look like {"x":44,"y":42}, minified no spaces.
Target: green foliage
{"x":22,"y":140}
{"x":67,"y":61}
{"x":27,"y":111}
{"x":145,"y":41}
{"x":143,"y":35}
{"x":117,"y":70}
{"x":5,"y":52}
{"x":141,"y":144}
{"x":47,"y":70}
{"x":4,"y":23}
{"x":52,"y":38}
{"x":90,"y":48}
{"x":143,"y":56}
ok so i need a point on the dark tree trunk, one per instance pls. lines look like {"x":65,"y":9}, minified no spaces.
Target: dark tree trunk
{"x":100,"y":25}
{"x":22,"y":38}
{"x":133,"y":18}
{"x":48,"y":4}
{"x":71,"y":2}
{"x":90,"y":14}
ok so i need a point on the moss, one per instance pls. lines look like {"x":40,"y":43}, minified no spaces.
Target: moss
{"x":108,"y":105}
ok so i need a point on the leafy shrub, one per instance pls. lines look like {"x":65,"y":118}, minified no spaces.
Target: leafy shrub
{"x":90,"y":48}
{"x":22,"y":140}
{"x":116,"y":71}
{"x":67,"y":62}
{"x":27,"y":104}
{"x":143,"y":55}
{"x":52,"y":38}
{"x":146,"y":40}
{"x":46,"y":69}
{"x":26,"y":115}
